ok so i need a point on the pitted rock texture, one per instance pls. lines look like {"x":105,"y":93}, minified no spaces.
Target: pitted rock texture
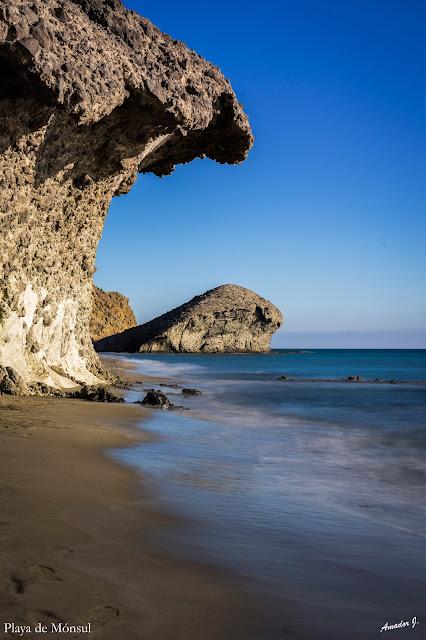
{"x":226,"y":319}
{"x":90,"y":94}
{"x":111,"y":313}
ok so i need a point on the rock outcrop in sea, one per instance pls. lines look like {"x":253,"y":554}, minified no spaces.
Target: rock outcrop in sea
{"x":228,"y":318}
{"x":90,"y":94}
{"x":111,"y":313}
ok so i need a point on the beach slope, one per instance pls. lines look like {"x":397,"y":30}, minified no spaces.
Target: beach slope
{"x":77,"y":534}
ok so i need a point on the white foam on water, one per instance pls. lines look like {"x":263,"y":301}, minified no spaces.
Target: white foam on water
{"x":164,"y":369}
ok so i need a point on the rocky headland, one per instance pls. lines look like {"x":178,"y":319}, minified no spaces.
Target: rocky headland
{"x":90,"y":94}
{"x":111,"y":313}
{"x":228,"y":318}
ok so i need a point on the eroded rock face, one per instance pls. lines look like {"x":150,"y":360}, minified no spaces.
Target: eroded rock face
{"x":111,"y":313}
{"x":226,"y":319}
{"x":90,"y":94}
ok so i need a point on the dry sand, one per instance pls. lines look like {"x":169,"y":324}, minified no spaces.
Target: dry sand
{"x":76,"y":536}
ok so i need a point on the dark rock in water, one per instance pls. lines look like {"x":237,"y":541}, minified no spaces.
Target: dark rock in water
{"x":171,"y":386}
{"x":353,"y":379}
{"x":96,"y":394}
{"x":156,"y":399}
{"x":91,"y":94}
{"x":227,"y":319}
{"x":392,"y":382}
{"x":191,"y":392}
{"x":283,"y":378}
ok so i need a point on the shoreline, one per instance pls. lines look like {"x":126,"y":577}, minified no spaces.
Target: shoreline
{"x":123,"y":363}
{"x":78,"y":534}
{"x":303,"y":524}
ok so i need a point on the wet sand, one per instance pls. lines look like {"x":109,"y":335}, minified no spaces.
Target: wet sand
{"x":77,"y":531}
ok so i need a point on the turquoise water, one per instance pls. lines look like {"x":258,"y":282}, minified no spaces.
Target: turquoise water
{"x":387,"y":364}
{"x":311,"y":489}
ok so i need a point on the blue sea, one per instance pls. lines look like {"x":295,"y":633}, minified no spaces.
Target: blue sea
{"x":311,"y":490}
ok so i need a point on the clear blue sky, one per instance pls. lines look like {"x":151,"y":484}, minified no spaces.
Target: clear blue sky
{"x":327,"y":216}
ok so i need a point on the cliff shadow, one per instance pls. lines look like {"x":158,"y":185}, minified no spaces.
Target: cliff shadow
{"x":96,"y":151}
{"x":26,"y":104}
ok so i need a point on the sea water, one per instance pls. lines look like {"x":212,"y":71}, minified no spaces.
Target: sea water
{"x":311,"y":488}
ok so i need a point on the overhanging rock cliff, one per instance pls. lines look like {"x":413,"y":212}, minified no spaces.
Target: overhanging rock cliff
{"x":90,"y":94}
{"x":227,"y":319}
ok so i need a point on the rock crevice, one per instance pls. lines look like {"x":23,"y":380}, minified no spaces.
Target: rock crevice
{"x":90,"y":95}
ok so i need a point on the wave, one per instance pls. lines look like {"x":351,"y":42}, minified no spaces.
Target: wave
{"x":163,"y":369}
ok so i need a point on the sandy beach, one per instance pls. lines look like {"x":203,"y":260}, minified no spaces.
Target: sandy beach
{"x":76,"y":538}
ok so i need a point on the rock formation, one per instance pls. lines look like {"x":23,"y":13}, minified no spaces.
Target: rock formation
{"x":156,"y":400}
{"x":90,"y":94}
{"x":226,"y":319}
{"x":111,"y":313}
